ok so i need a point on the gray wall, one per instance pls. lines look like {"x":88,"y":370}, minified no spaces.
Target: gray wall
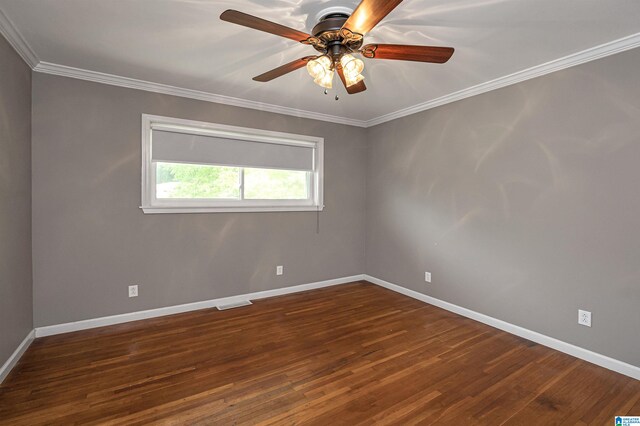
{"x":523,"y":202}
{"x":91,"y":240}
{"x":16,"y":313}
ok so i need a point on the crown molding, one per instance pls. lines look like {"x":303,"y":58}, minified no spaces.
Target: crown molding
{"x":591,"y":54}
{"x":15,"y":39}
{"x":116,"y":80}
{"x":9,"y":31}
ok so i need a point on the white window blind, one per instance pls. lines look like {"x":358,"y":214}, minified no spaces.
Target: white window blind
{"x":175,"y":147}
{"x":195,"y":167}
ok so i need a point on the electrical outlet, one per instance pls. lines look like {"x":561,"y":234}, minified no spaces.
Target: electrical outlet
{"x":133,"y":291}
{"x":584,"y":318}
{"x":279,"y":270}
{"x":427,"y":277}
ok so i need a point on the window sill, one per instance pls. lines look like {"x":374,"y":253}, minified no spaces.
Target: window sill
{"x":253,"y":209}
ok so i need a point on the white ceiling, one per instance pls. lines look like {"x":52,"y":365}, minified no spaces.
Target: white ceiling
{"x":183,"y":43}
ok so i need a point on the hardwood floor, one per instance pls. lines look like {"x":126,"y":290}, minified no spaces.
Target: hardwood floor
{"x":350,"y":354}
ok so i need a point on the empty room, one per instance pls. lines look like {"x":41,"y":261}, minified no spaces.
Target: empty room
{"x":352,"y":212}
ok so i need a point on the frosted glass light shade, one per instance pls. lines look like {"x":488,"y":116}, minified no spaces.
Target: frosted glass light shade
{"x":325,"y":80}
{"x":318,"y":67}
{"x":351,"y":81}
{"x":351,"y":66}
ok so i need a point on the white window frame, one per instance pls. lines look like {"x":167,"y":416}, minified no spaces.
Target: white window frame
{"x":151,"y":204}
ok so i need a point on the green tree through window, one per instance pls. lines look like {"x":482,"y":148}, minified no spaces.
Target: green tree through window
{"x":193,"y":181}
{"x":197,"y":181}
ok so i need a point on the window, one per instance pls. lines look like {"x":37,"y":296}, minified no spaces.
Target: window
{"x":192,"y":167}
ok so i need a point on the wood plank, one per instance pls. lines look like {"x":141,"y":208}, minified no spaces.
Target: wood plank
{"x":357,"y":352}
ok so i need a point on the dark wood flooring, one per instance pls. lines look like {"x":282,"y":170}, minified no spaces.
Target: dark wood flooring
{"x":350,"y":354}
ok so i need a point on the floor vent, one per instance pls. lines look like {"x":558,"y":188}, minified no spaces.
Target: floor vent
{"x":234,"y":305}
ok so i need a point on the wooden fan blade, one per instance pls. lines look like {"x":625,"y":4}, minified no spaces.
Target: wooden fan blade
{"x":402,"y":52}
{"x":368,"y":14}
{"x":284,"y":69}
{"x":260,"y":24}
{"x":353,"y":89}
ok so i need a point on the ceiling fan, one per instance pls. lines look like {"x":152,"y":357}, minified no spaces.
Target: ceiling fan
{"x":337,"y":36}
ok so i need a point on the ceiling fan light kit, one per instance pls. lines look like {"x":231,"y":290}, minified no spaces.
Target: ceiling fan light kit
{"x":321,"y":70}
{"x":326,"y":80}
{"x":337,"y":36}
{"x":352,"y":69}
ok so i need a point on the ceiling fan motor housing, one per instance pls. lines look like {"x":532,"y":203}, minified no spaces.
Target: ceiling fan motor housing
{"x":328,"y":30}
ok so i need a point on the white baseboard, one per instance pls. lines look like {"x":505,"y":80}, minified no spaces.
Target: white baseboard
{"x":15,"y":356}
{"x":176,"y":309}
{"x":576,"y":351}
{"x":559,"y":345}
